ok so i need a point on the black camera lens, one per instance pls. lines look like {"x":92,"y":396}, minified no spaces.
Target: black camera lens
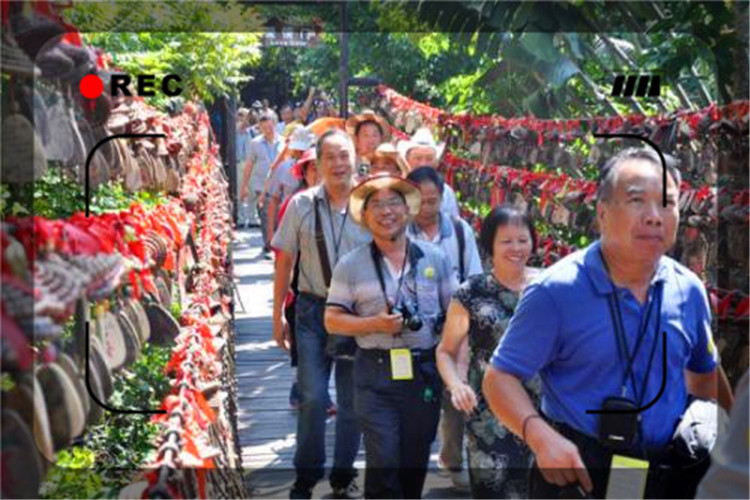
{"x":413,"y":324}
{"x":409,"y":316}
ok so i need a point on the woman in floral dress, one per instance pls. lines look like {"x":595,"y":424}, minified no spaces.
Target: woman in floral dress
{"x":481,"y":308}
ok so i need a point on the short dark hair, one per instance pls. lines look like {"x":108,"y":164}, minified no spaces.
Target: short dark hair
{"x":427,"y":174}
{"x":325,"y":136}
{"x":608,"y":173}
{"x":501,"y":216}
{"x":365,"y":122}
{"x":285,"y":106}
{"x":304,"y":167}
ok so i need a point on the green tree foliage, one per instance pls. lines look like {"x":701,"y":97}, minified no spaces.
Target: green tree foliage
{"x":168,"y":16}
{"x":179,"y":38}
{"x":550,"y":59}
{"x":209,"y":64}
{"x":57,"y":195}
{"x":385,"y":40}
{"x":556,"y":61}
{"x":571,"y":51}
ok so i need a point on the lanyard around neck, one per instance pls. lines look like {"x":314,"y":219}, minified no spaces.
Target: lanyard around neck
{"x":376,"y":260}
{"x":622,"y":343}
{"x":336,"y":239}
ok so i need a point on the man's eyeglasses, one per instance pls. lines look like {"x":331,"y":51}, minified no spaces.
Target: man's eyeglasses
{"x":380,"y":206}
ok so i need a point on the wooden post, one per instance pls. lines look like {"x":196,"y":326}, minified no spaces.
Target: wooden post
{"x":81,"y":317}
{"x":230,"y":155}
{"x":344,"y":64}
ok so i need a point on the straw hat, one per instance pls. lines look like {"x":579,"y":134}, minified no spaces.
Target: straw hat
{"x":373,"y":184}
{"x":322,"y":125}
{"x":421,"y":138}
{"x":389,"y":152}
{"x":368,"y":115}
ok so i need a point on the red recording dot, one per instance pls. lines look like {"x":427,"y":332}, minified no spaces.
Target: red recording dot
{"x":91,"y":86}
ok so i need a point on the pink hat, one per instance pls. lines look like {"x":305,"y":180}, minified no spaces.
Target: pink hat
{"x":306,"y":157}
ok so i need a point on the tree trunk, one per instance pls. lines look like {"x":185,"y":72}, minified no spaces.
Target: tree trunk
{"x":741,"y":57}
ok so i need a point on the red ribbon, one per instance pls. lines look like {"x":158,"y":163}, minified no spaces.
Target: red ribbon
{"x":738,"y":110}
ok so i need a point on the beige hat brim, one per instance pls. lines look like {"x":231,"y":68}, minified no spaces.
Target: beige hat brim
{"x":370,"y":185}
{"x":368,"y":116}
{"x":393,"y":155}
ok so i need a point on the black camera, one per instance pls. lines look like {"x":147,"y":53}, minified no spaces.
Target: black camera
{"x":363,"y":169}
{"x":618,"y":427}
{"x":409,"y":316}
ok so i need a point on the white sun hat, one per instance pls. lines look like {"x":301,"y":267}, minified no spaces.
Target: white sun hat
{"x":421,"y":138}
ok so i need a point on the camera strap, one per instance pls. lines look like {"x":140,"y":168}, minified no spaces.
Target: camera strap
{"x":659,"y":297}
{"x":336,"y":239}
{"x":376,"y":261}
{"x":377,"y":257}
{"x":622,"y":343}
{"x":461,"y":248}
{"x":320,"y":239}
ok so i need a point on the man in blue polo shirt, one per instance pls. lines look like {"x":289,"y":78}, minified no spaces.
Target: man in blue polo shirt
{"x":582,"y":319}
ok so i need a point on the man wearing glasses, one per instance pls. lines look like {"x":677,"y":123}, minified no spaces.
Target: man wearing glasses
{"x":391,"y":296}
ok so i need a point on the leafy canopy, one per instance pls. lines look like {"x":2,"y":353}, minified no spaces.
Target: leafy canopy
{"x":192,"y":40}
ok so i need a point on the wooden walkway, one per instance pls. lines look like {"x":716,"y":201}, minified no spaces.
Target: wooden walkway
{"x":266,"y":424}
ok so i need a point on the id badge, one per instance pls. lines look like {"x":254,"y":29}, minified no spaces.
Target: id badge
{"x":627,"y":477}
{"x":401,"y":365}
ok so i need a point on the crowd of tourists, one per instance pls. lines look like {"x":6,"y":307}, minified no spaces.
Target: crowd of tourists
{"x":597,"y":376}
